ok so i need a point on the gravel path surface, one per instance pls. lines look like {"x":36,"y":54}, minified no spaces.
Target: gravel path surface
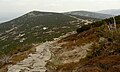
{"x":35,"y":62}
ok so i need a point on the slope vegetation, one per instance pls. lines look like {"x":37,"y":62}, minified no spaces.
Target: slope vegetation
{"x":93,"y":49}
{"x":25,"y":32}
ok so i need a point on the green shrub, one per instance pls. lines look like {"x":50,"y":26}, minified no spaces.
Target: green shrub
{"x":89,"y":26}
{"x":83,"y":28}
{"x":97,"y":24}
{"x":103,"y":66}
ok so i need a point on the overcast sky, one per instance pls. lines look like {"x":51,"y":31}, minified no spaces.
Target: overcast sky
{"x":57,"y":5}
{"x":15,"y":7}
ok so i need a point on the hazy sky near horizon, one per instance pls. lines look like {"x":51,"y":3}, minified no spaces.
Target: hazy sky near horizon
{"x":22,"y":6}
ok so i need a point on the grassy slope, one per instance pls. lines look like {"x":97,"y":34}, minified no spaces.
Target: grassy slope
{"x":103,"y":55}
{"x":32,"y":26}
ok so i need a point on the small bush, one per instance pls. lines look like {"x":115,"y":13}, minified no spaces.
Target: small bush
{"x":97,"y":24}
{"x":94,"y":51}
{"x":83,"y":28}
{"x":89,"y":26}
{"x":103,"y":66}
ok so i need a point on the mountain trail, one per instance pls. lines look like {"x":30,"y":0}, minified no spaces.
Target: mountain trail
{"x":35,"y":62}
{"x":82,"y":20}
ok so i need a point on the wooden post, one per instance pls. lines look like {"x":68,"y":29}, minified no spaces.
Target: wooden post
{"x":114,"y":22}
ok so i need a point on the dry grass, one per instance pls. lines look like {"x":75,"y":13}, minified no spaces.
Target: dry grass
{"x":102,"y":63}
{"x":79,"y":39}
{"x":21,"y":55}
{"x":16,"y":58}
{"x":70,"y":43}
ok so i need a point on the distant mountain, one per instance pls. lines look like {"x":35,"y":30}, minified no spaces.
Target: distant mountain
{"x":33,"y":28}
{"x":89,"y":14}
{"x":111,"y":11}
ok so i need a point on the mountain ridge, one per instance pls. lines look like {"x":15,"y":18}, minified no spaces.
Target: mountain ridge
{"x":89,"y":14}
{"x":50,"y":12}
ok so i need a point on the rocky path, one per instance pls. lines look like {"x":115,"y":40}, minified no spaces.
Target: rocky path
{"x":35,"y":62}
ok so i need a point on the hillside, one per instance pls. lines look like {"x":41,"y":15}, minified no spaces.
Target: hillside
{"x":89,"y":14}
{"x":32,"y":28}
{"x":27,"y":31}
{"x":89,"y":49}
{"x":95,"y":49}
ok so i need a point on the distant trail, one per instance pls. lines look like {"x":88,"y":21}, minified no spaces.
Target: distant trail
{"x":35,"y":62}
{"x":82,"y":20}
{"x":75,"y":17}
